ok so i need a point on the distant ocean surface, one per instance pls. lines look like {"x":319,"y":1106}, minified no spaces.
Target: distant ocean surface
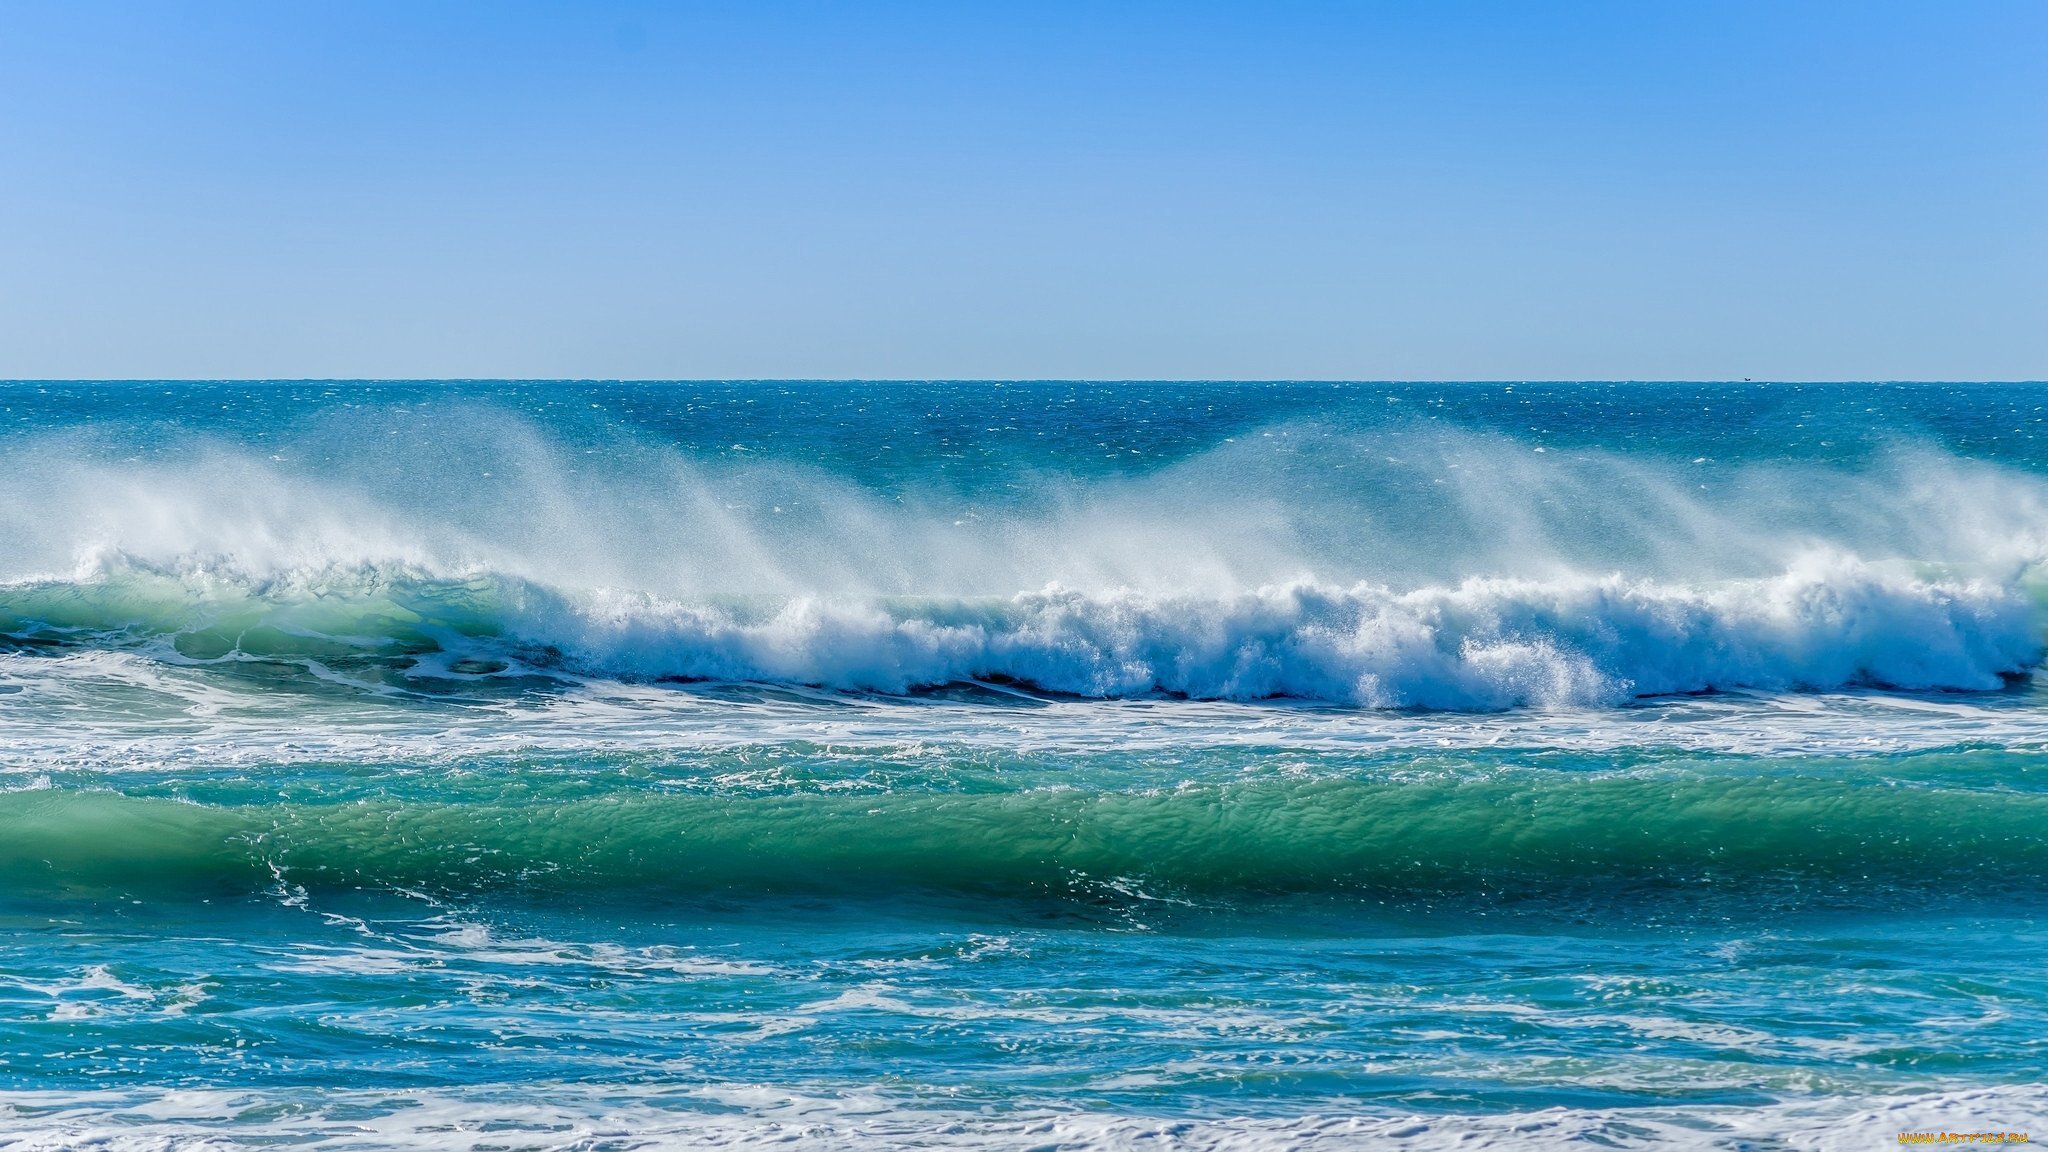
{"x":1040,"y":765}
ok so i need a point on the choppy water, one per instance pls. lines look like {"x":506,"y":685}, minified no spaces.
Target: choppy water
{"x":571,"y":765}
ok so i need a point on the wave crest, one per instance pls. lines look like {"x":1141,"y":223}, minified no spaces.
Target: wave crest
{"x":1483,"y":644}
{"x":1829,"y":621}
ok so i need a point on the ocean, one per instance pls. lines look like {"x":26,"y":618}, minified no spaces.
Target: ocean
{"x":574,"y":765}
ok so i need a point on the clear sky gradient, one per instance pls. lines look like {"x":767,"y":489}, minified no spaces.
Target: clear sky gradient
{"x":1426,"y":190}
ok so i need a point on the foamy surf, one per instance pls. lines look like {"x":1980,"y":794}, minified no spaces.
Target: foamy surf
{"x":565,"y":1117}
{"x":1827,"y":622}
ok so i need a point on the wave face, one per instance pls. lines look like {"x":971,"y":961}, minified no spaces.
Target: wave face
{"x":1586,"y":834}
{"x":1337,"y":550}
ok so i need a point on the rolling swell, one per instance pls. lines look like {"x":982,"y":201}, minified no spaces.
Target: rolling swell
{"x":1828,"y":621}
{"x":1527,"y":831}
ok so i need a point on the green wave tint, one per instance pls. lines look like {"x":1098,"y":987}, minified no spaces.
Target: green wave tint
{"x":1503,"y":828}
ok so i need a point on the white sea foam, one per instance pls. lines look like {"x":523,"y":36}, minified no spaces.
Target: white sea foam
{"x":117,"y":711}
{"x":1485,"y":644}
{"x":567,"y":1117}
{"x":1829,"y":621}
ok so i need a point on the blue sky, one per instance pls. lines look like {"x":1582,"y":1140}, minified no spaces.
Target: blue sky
{"x":1796,"y":190}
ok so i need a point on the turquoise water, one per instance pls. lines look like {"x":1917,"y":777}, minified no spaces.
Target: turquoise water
{"x":586,"y":765}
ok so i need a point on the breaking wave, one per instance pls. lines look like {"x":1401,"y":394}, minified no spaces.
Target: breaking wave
{"x":1485,"y":643}
{"x":1469,"y":572}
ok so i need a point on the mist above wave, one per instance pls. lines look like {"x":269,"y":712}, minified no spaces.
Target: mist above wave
{"x":1400,"y":503}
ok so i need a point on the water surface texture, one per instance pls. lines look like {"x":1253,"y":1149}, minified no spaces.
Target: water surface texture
{"x":597,"y":765}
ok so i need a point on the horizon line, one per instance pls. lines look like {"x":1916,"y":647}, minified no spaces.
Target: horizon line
{"x":990,"y":380}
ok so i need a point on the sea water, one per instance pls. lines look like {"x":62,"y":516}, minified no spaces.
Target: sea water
{"x":1039,"y":765}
